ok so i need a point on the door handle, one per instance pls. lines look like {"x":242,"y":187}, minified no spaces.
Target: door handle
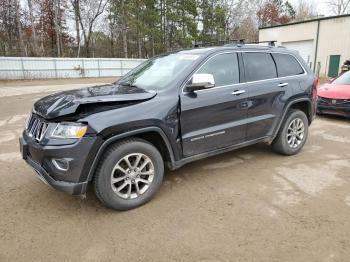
{"x":282,"y":84}
{"x":238,"y":92}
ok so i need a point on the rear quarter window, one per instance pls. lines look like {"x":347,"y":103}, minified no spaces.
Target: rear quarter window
{"x":259,"y":66}
{"x":287,"y":65}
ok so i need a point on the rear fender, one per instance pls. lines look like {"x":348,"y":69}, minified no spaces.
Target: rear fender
{"x":287,"y":108}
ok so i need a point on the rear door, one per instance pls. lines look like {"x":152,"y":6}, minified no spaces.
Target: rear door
{"x":269,"y":87}
{"x":215,"y":118}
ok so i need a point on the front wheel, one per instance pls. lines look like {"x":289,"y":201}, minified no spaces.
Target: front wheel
{"x":293,"y":133}
{"x":129,"y":174}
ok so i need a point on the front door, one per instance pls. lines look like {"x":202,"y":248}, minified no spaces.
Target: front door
{"x":215,"y":118}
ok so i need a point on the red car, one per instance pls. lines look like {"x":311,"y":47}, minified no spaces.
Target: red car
{"x":334,"y":97}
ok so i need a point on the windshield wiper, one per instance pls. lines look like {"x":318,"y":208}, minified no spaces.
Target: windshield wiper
{"x":127,"y":84}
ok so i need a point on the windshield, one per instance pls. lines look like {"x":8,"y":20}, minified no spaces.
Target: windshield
{"x":344,"y":79}
{"x":157,"y":73}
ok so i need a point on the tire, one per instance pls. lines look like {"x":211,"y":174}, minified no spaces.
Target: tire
{"x":283,"y":143}
{"x":114,"y":164}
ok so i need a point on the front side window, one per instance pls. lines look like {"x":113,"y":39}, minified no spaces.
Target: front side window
{"x":223,"y":67}
{"x":287,"y":65}
{"x":259,"y":66}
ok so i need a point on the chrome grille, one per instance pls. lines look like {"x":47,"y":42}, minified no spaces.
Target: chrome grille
{"x":36,"y":128}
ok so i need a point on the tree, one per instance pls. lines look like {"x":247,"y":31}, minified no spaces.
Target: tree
{"x":133,"y":28}
{"x":76,"y":9}
{"x":8,"y":25}
{"x":118,"y":13}
{"x":57,"y":21}
{"x":275,"y":12}
{"x":88,"y":11}
{"x":214,"y":16}
{"x":52,"y":27}
{"x":19,"y":28}
{"x":304,"y":10}
{"x":268,"y":15}
{"x":36,"y":50}
{"x":339,"y":7}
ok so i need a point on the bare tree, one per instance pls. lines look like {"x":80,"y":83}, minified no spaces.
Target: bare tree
{"x":88,"y":11}
{"x":339,"y":7}
{"x":304,"y":10}
{"x":76,"y":8}
{"x":57,"y":10}
{"x":19,"y":28}
{"x":124,"y":30}
{"x":32,"y":24}
{"x":241,"y":22}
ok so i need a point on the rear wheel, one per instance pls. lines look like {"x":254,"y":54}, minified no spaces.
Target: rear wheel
{"x":293,"y":133}
{"x":129,"y":174}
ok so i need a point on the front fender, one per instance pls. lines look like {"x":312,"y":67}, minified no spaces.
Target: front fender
{"x":118,"y":137}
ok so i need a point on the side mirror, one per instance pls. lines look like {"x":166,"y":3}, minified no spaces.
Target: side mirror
{"x":199,"y":82}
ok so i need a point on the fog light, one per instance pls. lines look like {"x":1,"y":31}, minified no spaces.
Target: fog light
{"x":61,"y":164}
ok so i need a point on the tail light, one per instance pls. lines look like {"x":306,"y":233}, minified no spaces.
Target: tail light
{"x":314,"y":89}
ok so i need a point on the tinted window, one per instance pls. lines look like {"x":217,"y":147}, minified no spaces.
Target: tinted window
{"x":224,"y":68}
{"x":287,"y":65}
{"x":259,"y":66}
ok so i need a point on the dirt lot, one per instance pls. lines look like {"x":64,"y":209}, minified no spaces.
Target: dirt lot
{"x":247,"y":205}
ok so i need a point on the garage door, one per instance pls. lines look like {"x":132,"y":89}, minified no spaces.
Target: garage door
{"x":305,"y":49}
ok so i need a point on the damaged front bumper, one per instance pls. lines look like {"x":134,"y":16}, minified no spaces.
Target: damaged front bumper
{"x":73,"y":180}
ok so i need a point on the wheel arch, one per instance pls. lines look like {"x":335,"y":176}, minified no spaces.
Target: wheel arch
{"x":153,"y":135}
{"x":303,"y":104}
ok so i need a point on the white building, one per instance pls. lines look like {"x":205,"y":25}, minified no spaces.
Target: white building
{"x":324,"y":43}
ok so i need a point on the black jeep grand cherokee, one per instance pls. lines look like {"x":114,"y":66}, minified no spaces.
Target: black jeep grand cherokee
{"x":170,"y":110}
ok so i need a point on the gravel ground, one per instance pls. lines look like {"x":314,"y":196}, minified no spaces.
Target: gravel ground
{"x":246,"y":205}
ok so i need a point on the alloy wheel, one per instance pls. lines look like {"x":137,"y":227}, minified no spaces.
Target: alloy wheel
{"x":295,"y":133}
{"x":132,"y":176}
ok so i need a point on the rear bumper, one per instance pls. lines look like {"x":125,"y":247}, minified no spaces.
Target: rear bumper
{"x":334,"y":110}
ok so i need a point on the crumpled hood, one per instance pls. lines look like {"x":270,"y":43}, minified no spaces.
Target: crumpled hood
{"x":334,"y":91}
{"x":66,"y":103}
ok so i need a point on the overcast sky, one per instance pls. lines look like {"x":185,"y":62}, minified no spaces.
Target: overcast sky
{"x":320,"y":6}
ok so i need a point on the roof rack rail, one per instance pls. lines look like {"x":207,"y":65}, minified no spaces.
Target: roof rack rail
{"x":215,"y":43}
{"x":270,"y":43}
{"x":230,"y":42}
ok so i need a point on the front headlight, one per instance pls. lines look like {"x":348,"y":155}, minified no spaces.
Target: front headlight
{"x":69,"y":130}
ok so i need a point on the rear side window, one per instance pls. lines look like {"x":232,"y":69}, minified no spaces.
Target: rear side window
{"x":259,"y":66}
{"x":224,"y":68}
{"x":287,"y":65}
